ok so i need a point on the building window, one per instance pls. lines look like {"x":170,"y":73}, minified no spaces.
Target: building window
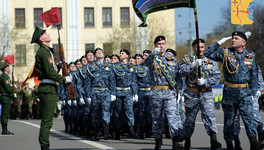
{"x":36,"y":48}
{"x":108,"y":48}
{"x":88,"y":17}
{"x":60,"y":12}
{"x":21,"y":57}
{"x":37,"y":20}
{"x":126,"y":46}
{"x":20,"y":18}
{"x":89,"y":46}
{"x":107,"y":17}
{"x":56,"y":52}
{"x":124,"y":14}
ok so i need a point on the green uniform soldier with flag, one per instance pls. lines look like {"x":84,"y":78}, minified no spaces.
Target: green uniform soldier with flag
{"x":48,"y":89}
{"x":6,"y":92}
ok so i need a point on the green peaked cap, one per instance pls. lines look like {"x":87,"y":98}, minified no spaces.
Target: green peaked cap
{"x":37,"y":33}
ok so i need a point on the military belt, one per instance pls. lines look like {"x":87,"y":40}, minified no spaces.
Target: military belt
{"x":160,"y":87}
{"x":49,"y":81}
{"x":235,"y":85}
{"x":198,"y":90}
{"x":145,"y":89}
{"x":100,"y":88}
{"x":123,"y":88}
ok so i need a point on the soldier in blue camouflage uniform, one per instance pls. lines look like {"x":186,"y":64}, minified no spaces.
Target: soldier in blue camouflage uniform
{"x":198,"y":94}
{"x":143,"y":81}
{"x":163,"y":93}
{"x":82,"y":87}
{"x":126,"y":93}
{"x":101,"y":83}
{"x":241,"y":78}
{"x":146,"y":53}
{"x":115,"y":58}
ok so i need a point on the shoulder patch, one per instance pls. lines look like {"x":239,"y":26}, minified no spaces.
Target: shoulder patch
{"x":140,"y":69}
{"x":50,"y":60}
{"x":119,"y":67}
{"x":94,"y":66}
{"x":7,"y":81}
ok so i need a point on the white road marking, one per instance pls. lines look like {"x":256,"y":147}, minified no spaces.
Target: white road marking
{"x":221,"y":125}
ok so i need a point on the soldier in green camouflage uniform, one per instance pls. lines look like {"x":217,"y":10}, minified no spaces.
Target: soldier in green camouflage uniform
{"x":15,"y":107}
{"x":27,"y":101}
{"x":48,"y":89}
{"x":6,"y":92}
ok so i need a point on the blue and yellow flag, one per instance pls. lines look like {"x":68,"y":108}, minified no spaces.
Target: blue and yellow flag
{"x":145,"y":7}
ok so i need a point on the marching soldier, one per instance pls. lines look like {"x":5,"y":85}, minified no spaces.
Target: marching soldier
{"x":198,"y":94}
{"x":241,"y":84}
{"x":48,"y":90}
{"x":27,"y":101}
{"x":126,"y":93}
{"x":6,"y":94}
{"x":15,"y":107}
{"x":165,"y":79}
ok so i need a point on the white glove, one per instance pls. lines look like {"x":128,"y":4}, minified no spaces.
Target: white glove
{"x":63,"y":102}
{"x":68,"y":79}
{"x":89,"y":100}
{"x":74,"y":102}
{"x":248,"y":34}
{"x":82,"y":101}
{"x":69,"y":102}
{"x":135,"y":98}
{"x":156,"y":51}
{"x":59,"y":105}
{"x":178,"y":98}
{"x":182,"y":99}
{"x":15,"y":96}
{"x":258,"y":94}
{"x":197,"y":62}
{"x":113,"y":98}
{"x":223,"y":40}
{"x":38,"y":99}
{"x":200,"y":81}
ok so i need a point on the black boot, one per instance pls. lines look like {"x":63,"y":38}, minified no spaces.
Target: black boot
{"x":46,"y":147}
{"x":117,"y":134}
{"x":214,"y":143}
{"x":237,"y":143}
{"x":96,"y":134}
{"x":260,"y":133}
{"x":187,"y":143}
{"x":181,"y":135}
{"x":175,"y":144}
{"x":167,"y":132}
{"x":106,"y":131}
{"x":157,"y":144}
{"x":131,"y":133}
{"x":254,"y":144}
{"x":141,"y":132}
{"x":5,"y":131}
{"x":229,"y":146}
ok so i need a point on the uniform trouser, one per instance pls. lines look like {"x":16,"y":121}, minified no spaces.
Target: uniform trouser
{"x":163,"y":102}
{"x":257,"y":117}
{"x":48,"y":98}
{"x":25,"y":109}
{"x":127,"y":101}
{"x":144,"y":115}
{"x":100,"y":107}
{"x":193,"y":103}
{"x":6,"y":106}
{"x":238,"y":100}
{"x":67,"y":114}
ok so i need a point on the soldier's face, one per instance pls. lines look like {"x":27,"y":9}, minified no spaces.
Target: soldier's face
{"x":201,"y":47}
{"x":123,"y":55}
{"x":90,"y":57}
{"x":138,"y":60}
{"x":145,"y":55}
{"x":238,"y":41}
{"x":45,"y":37}
{"x":7,"y":69}
{"x":108,"y":59}
{"x":84,"y":61}
{"x":115,"y":59}
{"x":72,"y":68}
{"x":99,"y":54}
{"x":162,"y":45}
{"x":78,"y":65}
{"x":132,"y":61}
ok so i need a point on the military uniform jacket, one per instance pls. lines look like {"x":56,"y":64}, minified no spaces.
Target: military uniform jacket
{"x":143,"y":76}
{"x":211,"y":72}
{"x":101,"y":76}
{"x":5,"y":87}
{"x":125,"y":76}
{"x":156,"y":75}
{"x":26,"y":95}
{"x":45,"y":66}
{"x":238,"y":68}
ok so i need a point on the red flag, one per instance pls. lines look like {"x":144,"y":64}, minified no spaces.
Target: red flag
{"x":32,"y":73}
{"x":51,"y":16}
{"x":10,"y":59}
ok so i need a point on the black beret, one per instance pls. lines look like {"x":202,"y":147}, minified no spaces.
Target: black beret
{"x":89,"y":51}
{"x":71,"y":63}
{"x":172,"y":51}
{"x":98,"y":48}
{"x":126,"y":51}
{"x":115,"y":56}
{"x":139,"y":55}
{"x":159,"y":38}
{"x":147,"y":51}
{"x":107,"y":56}
{"x":78,"y":60}
{"x":131,"y":57}
{"x":241,"y":34}
{"x":82,"y":57}
{"x":195,"y":41}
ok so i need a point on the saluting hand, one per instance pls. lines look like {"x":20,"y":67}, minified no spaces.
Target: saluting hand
{"x":223,"y":40}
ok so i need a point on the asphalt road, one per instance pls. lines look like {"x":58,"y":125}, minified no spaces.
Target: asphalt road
{"x":26,"y":138}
